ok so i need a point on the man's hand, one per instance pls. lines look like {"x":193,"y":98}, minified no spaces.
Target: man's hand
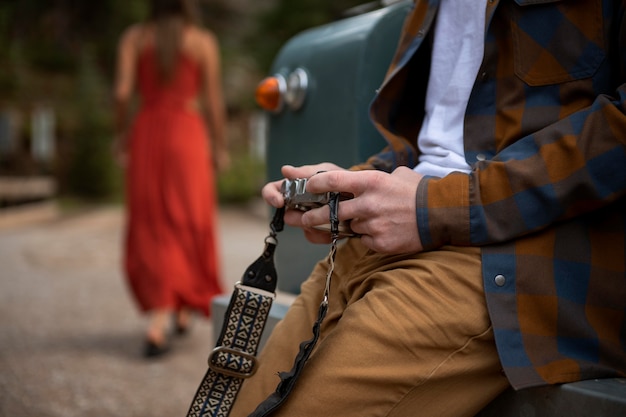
{"x":273,"y":196}
{"x":382,"y":210}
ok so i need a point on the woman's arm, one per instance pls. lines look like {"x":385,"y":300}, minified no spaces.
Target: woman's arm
{"x":124,"y":84}
{"x":214,"y":100}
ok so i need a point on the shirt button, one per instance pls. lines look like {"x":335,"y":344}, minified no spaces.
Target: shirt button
{"x":500,"y":280}
{"x":481,"y":157}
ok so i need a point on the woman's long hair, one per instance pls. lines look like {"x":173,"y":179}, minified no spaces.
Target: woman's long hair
{"x":169,"y":18}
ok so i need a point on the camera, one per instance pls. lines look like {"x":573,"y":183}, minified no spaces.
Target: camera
{"x":296,"y":196}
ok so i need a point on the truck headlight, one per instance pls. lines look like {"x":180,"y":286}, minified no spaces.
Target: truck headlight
{"x":270,"y":93}
{"x":273,"y":92}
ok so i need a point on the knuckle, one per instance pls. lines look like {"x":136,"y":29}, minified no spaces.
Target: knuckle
{"x":333,"y":180}
{"x":377,"y":179}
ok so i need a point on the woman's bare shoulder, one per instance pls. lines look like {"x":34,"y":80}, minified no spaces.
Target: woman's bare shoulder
{"x":131,"y":32}
{"x":135,"y":34}
{"x":200,"y":40}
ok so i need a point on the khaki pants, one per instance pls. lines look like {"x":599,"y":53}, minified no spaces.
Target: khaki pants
{"x":404,"y":336}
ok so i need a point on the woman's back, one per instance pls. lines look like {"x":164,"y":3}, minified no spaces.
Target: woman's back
{"x":181,"y":90}
{"x":183,"y":85}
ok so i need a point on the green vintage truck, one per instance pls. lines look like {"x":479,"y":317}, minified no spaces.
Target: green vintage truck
{"x":317,"y":97}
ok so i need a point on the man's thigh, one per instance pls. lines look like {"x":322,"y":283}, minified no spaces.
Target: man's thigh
{"x":400,"y":330}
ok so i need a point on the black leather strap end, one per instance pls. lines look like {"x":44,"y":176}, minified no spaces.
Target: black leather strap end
{"x":262,"y":272}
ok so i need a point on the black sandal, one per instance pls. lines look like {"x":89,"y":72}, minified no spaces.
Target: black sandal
{"x":153,"y":350}
{"x":179,"y":328}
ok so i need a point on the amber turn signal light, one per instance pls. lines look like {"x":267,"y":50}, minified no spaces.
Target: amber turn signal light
{"x":270,"y":93}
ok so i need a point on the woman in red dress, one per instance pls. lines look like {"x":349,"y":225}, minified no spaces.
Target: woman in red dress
{"x":171,"y":255}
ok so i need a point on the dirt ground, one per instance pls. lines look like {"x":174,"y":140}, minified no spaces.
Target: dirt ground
{"x":70,"y":335}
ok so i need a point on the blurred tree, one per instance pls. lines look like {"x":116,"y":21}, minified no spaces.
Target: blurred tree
{"x":54,"y":32}
{"x":289,"y":17}
{"x":50,"y":50}
{"x":61,"y":52}
{"x":91,"y":173}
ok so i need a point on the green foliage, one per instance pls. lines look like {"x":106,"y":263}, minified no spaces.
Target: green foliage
{"x":62,"y":52}
{"x":288,"y":18}
{"x":242,"y":181}
{"x":7,"y":85}
{"x":48,"y":58}
{"x":10,"y":75}
{"x":92,"y":173}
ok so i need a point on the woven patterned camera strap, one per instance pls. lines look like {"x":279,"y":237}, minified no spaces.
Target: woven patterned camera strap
{"x":234,"y":357}
{"x":234,"y":360}
{"x":288,"y":379}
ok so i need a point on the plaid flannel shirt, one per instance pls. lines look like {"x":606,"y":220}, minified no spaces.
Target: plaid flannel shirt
{"x":545,"y":135}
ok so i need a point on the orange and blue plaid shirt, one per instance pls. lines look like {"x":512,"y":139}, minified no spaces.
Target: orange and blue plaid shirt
{"x":545,"y":135}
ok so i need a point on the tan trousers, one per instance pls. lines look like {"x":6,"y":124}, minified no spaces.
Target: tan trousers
{"x":404,"y":336}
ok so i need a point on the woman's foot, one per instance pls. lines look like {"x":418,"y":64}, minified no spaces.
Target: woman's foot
{"x":153,"y":350}
{"x":182,"y":322}
{"x":156,"y":335}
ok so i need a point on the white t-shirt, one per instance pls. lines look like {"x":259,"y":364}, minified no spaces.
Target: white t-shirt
{"x":457,"y":54}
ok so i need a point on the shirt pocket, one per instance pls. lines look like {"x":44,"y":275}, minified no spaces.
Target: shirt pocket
{"x":556,"y":41}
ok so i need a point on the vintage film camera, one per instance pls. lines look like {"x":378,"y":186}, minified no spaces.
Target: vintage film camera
{"x":296,"y":197}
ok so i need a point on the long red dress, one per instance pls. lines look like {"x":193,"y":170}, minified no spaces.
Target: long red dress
{"x":171,"y":257}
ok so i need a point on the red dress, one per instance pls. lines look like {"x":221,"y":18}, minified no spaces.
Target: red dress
{"x":171,"y":256}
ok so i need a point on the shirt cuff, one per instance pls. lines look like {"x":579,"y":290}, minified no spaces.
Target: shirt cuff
{"x":442,"y":210}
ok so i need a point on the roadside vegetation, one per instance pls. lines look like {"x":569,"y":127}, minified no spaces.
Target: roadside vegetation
{"x":59,"y":54}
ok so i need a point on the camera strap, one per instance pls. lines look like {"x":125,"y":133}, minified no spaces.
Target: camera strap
{"x":288,"y":379}
{"x":234,"y":357}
